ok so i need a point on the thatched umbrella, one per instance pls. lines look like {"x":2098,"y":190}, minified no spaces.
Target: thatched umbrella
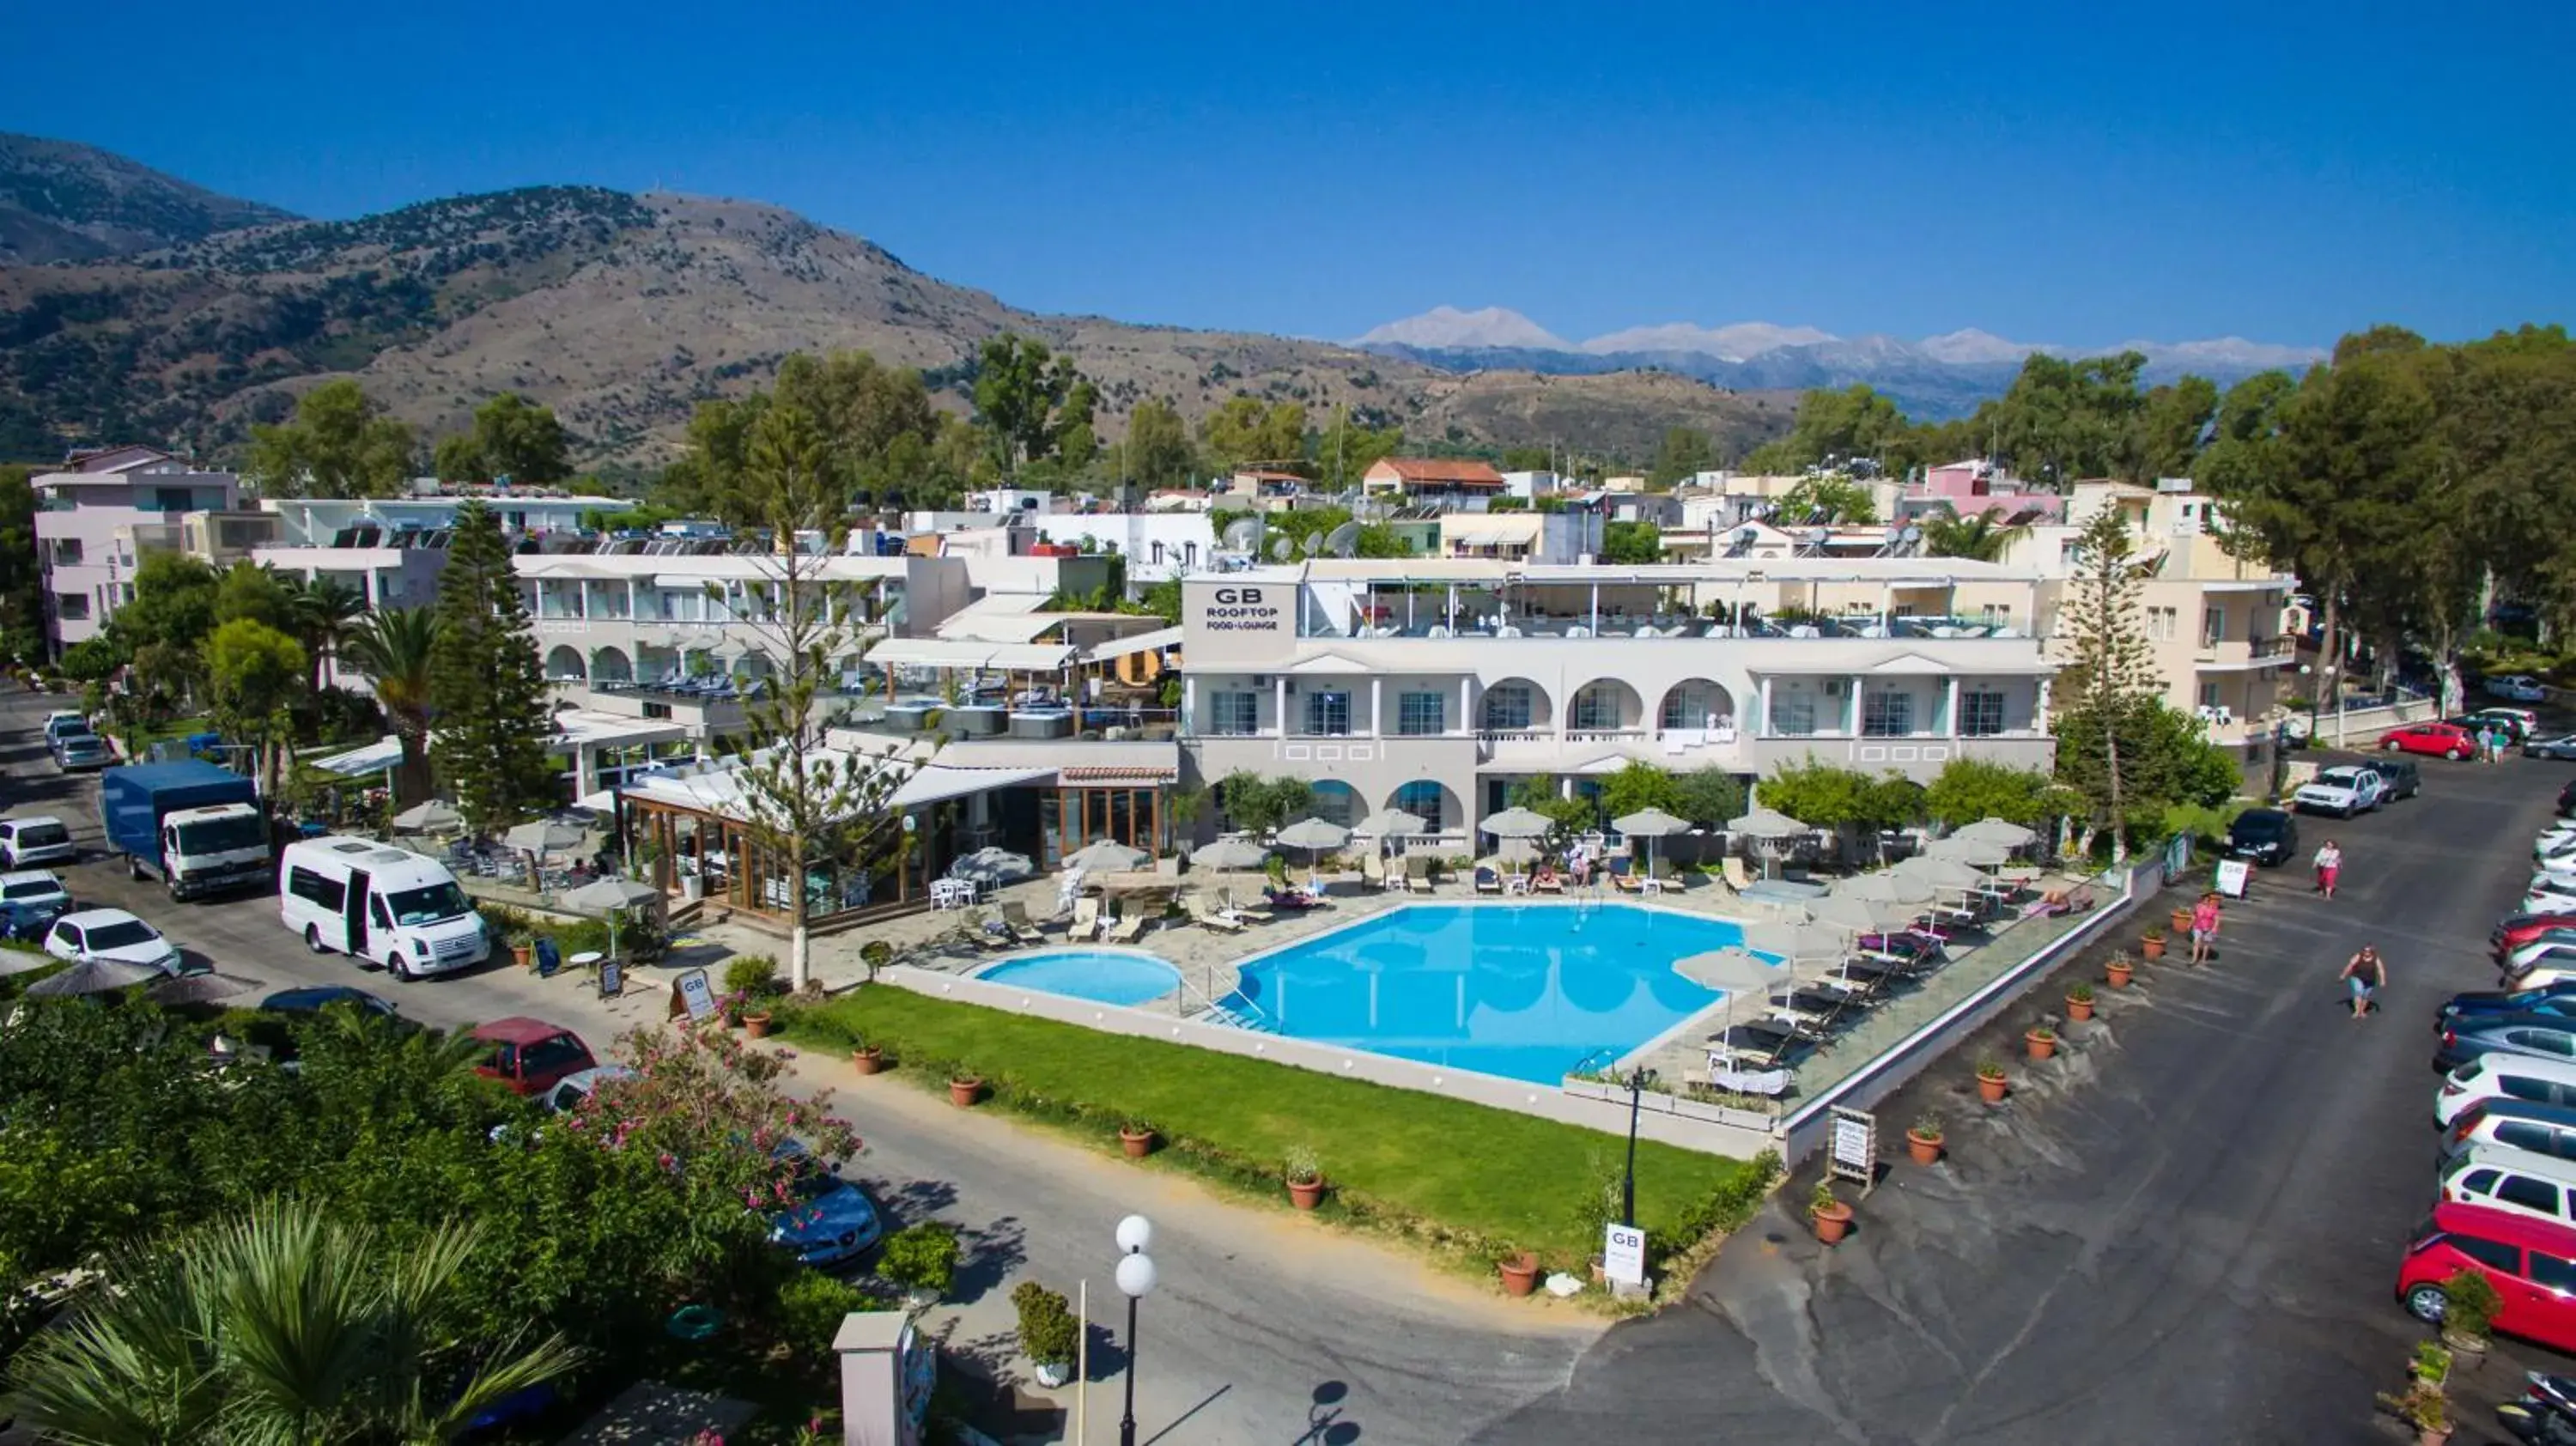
{"x":199,"y":989}
{"x":92,"y":976}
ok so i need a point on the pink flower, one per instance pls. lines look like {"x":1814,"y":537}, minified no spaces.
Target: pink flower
{"x":666,"y":1160}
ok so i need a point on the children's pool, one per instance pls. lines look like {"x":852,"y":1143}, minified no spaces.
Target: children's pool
{"x":1526,"y":991}
{"x":1103,"y":976}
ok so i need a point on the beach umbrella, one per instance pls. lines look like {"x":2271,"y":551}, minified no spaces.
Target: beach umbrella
{"x":1107,"y":856}
{"x":199,"y":989}
{"x":1940,"y":873}
{"x":1996,"y":830}
{"x":1975,"y":852}
{"x":1860,"y":916}
{"x":1519,"y":823}
{"x":19,"y":961}
{"x":1796,"y":941}
{"x":611,"y":897}
{"x":1391,"y":823}
{"x":545,"y":836}
{"x":92,"y":976}
{"x":1883,"y":888}
{"x":1314,"y":835}
{"x":1231,"y":855}
{"x":1732,"y":971}
{"x":1767,"y":824}
{"x":1650,"y":824}
{"x":430,"y":817}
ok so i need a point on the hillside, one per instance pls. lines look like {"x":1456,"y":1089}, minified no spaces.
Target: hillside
{"x":63,"y":201}
{"x":622,"y":311}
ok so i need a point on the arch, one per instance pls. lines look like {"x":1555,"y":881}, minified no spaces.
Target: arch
{"x":1604,"y":705}
{"x":563,"y":665}
{"x":1696,"y":703}
{"x":1338,"y":802}
{"x":1430,"y":800}
{"x":656,"y":664}
{"x":1515,"y":705}
{"x":611,"y":665}
{"x":752,"y":665}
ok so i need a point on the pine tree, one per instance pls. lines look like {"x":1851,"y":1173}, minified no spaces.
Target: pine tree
{"x":487,"y":687}
{"x":2108,"y":694}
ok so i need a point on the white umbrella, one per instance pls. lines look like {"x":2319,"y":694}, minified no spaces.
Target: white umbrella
{"x":1969,"y":849}
{"x":1995,"y":830}
{"x":1767,"y":824}
{"x":1314,"y":835}
{"x":1940,"y":873}
{"x":430,"y":817}
{"x":1650,"y":824}
{"x":994,"y":865}
{"x":1519,"y":823}
{"x":1391,"y":823}
{"x":1883,"y":888}
{"x":611,"y":897}
{"x":19,"y":961}
{"x":1859,"y":915}
{"x":1732,"y":971}
{"x":545,"y":836}
{"x":1796,"y":941}
{"x":1107,"y":856}
{"x":1231,"y":854}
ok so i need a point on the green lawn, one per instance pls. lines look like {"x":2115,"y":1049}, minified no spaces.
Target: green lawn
{"x":1456,"y":1174}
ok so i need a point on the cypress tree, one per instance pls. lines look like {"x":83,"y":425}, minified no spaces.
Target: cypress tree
{"x":487,"y":687}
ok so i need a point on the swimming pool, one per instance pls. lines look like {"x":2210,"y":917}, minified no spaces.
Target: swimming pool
{"x":1103,"y":976}
{"x":1525,"y":991}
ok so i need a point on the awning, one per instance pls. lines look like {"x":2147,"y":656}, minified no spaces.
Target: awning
{"x":1115,"y":648}
{"x":376,"y":757}
{"x":937,"y":783}
{"x":1005,"y":618}
{"x":971,"y":653}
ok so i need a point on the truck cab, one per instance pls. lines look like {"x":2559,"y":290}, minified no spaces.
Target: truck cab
{"x":216,"y":847}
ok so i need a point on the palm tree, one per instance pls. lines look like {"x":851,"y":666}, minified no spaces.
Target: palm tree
{"x":280,"y":1326}
{"x":322,"y":614}
{"x":393,"y":647}
{"x":1979,"y":539}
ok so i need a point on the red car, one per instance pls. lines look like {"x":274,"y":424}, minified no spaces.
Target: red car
{"x":530,"y":1055}
{"x":2516,"y":930}
{"x":2530,"y":1262}
{"x":2442,"y":740}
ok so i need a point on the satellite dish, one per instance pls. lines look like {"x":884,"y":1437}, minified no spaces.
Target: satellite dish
{"x":1821,"y":536}
{"x":1282,"y":548}
{"x":1747,"y":533}
{"x":1913,"y":533}
{"x":1343,"y":541}
{"x":1311,"y":543}
{"x":1243,"y":534}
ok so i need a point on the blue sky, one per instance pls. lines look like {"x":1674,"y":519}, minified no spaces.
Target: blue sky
{"x":2072,"y":174}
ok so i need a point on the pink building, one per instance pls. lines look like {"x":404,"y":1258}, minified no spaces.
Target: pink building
{"x":1975,"y":487}
{"x":107,"y":509}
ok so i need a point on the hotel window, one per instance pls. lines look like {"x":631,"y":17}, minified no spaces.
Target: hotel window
{"x":1886,"y":715}
{"x":1234,"y":714}
{"x":2209,"y":695}
{"x":1793,"y":715}
{"x":2213,"y":627}
{"x":72,"y":606}
{"x":1981,"y":715}
{"x":1507,"y":708}
{"x":1596,"y":709}
{"x":1328,"y":715}
{"x":1421,"y":798}
{"x":1419,"y":715}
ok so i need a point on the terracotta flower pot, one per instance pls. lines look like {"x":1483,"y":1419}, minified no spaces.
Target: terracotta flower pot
{"x":1137,"y":1143}
{"x":756,"y":1025}
{"x":1833,"y":1222}
{"x":2181,"y":921}
{"x":523,"y":955}
{"x":1307,"y":1194}
{"x":1926,"y":1149}
{"x":2118,"y":972}
{"x":2041,"y":1046}
{"x":2151,"y":948}
{"x":964,"y":1092}
{"x":2432,"y":1436}
{"x":867,"y":1061}
{"x":2078,"y":1010}
{"x":1520,"y":1273}
{"x":1600,"y":1272}
{"x":1991,"y":1087}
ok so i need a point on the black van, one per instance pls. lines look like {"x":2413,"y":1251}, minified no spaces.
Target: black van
{"x":2267,"y":836}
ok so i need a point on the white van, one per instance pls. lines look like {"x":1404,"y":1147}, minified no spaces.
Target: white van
{"x":378,"y":904}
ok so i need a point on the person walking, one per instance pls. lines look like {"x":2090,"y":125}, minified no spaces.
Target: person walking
{"x":2364,"y":975}
{"x":2329,"y":865}
{"x":2204,"y":928}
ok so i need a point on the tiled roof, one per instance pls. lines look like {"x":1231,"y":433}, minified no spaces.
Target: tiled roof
{"x":1455,"y":472}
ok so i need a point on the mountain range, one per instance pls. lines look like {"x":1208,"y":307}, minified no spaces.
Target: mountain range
{"x":1936,"y":377}
{"x":163,"y":313}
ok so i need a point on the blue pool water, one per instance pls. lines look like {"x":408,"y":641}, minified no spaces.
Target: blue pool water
{"x":1103,"y":976}
{"x":1526,"y":991}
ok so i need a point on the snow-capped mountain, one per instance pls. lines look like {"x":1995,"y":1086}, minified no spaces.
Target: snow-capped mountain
{"x":1447,"y":326}
{"x":1736,"y":341}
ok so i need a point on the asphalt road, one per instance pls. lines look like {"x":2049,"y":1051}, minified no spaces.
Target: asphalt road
{"x":1264,"y":1328}
{"x":2186,"y":1229}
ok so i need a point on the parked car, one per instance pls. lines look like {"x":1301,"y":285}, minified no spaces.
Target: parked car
{"x":530,"y":1055}
{"x":2399,"y":776}
{"x":2538,"y":953}
{"x":2567,"y":799}
{"x":2517,"y":687}
{"x":38,"y":840}
{"x":65,"y":720}
{"x":2267,"y":836}
{"x":2548,"y":1130}
{"x":2557,"y":1000}
{"x":2500,"y":1076}
{"x":30,"y":901}
{"x":111,"y":934}
{"x":830,"y":1221}
{"x":2561,"y":747}
{"x":316,"y":998}
{"x":2511,"y":1180}
{"x":75,"y":751}
{"x":2508,"y":954}
{"x":2520,"y":723}
{"x":2530,"y":1263}
{"x":2342,"y":791}
{"x":2545,"y":900}
{"x":2514,"y":930}
{"x":2539,"y":1036}
{"x":2439,"y":740}
{"x":581,"y":1084}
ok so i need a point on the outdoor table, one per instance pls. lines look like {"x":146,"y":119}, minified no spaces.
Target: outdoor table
{"x":586,"y":959}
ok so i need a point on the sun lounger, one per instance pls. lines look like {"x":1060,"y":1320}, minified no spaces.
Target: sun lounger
{"x":1417,"y":874}
{"x":1127,"y":930}
{"x":1015,"y":917}
{"x":1487,"y":881}
{"x":1769,"y":1083}
{"x":1547,"y":883}
{"x":1623,"y":875}
{"x":1372,"y":871}
{"x":993,"y":934}
{"x":1204,"y":912}
{"x":1086,"y":920}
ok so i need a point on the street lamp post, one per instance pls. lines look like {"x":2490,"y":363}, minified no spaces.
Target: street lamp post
{"x":1135,"y":1281}
{"x":1638,"y":1079}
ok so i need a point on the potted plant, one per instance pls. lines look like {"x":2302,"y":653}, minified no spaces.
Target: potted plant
{"x":1048,"y":1331}
{"x":2041,"y":1041}
{"x":1923,"y":1141}
{"x":2180,"y":921}
{"x":756,"y":1021}
{"x":2151,"y":944}
{"x":2119,"y":970}
{"x":2432,"y":1362}
{"x":1519,"y":1269}
{"x":1136,"y":1137}
{"x":2079,"y":1003}
{"x":866,"y":1058}
{"x":1831,"y":1216}
{"x":1305,"y":1177}
{"x":2422,"y":1406}
{"x":964,"y":1089}
{"x":2469,"y":1308}
{"x":875,"y":954}
{"x":922,"y":1261}
{"x":1991,"y":1080}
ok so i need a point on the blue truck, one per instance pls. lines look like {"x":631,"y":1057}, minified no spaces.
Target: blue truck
{"x":196,"y":827}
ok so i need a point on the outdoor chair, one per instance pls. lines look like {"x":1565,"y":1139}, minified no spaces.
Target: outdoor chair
{"x":1015,"y":917}
{"x":1086,"y":920}
{"x":1769,"y":1083}
{"x":1623,"y":875}
{"x":1417,"y":874}
{"x":1749,"y":1044}
{"x":1487,"y":881}
{"x":1545,"y":881}
{"x":1126,"y":930}
{"x":1372,"y":871}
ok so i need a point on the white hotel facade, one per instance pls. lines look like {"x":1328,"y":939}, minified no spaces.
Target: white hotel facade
{"x":1435,"y":685}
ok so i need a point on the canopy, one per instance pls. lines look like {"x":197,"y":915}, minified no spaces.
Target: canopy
{"x":1231,"y":853}
{"x":1887,"y":888}
{"x":199,"y":989}
{"x":375,"y":757}
{"x":545,"y":836}
{"x":430,"y":817}
{"x":1107,"y":856}
{"x":1796,"y":941}
{"x":997,"y":865}
{"x":972,"y":653}
{"x":1650,"y":823}
{"x":1520,"y":823}
{"x":1995,"y":830}
{"x":92,"y":976}
{"x":1941,"y":873}
{"x":1859,"y":915}
{"x":938,"y":782}
{"x":1979,"y":853}
{"x":1767,"y":823}
{"x":1314,"y":833}
{"x":607,"y":894}
{"x":1390,"y":823}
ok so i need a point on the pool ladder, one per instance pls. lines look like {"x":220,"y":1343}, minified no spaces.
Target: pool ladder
{"x":1215,"y":1013}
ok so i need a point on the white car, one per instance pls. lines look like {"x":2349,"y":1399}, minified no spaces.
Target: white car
{"x":2519,"y":687}
{"x":2539,"y":955}
{"x":2551,"y":900}
{"x":2516,"y":1181}
{"x":2344,"y":790}
{"x":38,"y":840}
{"x":36,"y":889}
{"x":2506,"y":1077}
{"x":111,"y":934}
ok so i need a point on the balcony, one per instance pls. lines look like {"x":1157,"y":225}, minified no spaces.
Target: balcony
{"x":2227,"y":656}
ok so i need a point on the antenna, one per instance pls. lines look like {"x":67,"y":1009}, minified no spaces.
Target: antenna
{"x":1282,"y":547}
{"x":1243,"y":535}
{"x":1343,"y":541}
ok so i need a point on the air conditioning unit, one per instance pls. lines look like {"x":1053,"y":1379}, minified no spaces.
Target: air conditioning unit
{"x":1833,"y":687}
{"x":1261,"y":680}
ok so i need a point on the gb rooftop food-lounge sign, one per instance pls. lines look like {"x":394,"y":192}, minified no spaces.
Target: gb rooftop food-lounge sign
{"x":1231,"y":620}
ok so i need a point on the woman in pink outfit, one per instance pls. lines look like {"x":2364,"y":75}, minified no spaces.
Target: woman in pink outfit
{"x":2329,"y":864}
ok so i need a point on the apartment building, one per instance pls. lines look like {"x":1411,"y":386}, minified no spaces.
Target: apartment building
{"x":2214,"y":620}
{"x":1452,"y":481}
{"x":106,"y":510}
{"x":1436,"y":685}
